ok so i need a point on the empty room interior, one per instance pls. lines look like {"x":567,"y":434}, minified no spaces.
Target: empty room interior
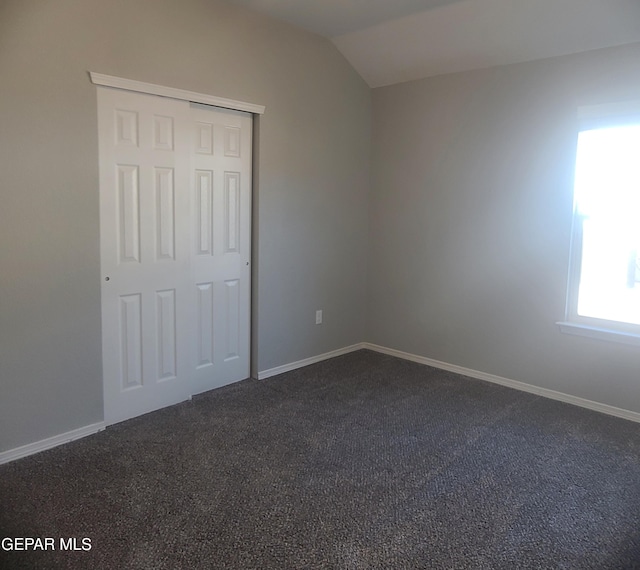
{"x":325,"y":284}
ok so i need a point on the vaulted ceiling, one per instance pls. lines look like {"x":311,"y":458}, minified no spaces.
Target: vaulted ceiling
{"x":390,"y":41}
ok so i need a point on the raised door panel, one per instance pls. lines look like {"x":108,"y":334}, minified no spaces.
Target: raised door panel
{"x":162,"y":132}
{"x":126,"y":128}
{"x":128,"y":197}
{"x":232,"y":323}
{"x":204,"y":211}
{"x":231,"y":212}
{"x":166,"y":334}
{"x":130,"y":338}
{"x":165,"y":213}
{"x":204,"y":325}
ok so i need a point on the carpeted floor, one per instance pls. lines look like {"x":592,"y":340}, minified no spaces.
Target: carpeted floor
{"x":361,"y":462}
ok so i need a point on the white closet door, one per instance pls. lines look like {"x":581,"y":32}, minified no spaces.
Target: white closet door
{"x":221,"y":182}
{"x":145,"y":250}
{"x":175,"y":231}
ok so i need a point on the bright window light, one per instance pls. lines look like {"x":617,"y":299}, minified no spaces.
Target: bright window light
{"x":607,"y":209}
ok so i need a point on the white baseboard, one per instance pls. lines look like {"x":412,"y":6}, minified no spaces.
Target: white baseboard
{"x":56,"y":440}
{"x":312,"y":360}
{"x":545,"y":392}
{"x":49,"y":443}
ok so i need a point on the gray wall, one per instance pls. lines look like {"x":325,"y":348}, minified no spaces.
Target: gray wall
{"x":313,"y":157}
{"x":470,"y":211}
{"x":471,"y":217}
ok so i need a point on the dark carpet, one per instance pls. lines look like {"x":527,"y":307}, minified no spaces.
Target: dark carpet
{"x":363,"y":461}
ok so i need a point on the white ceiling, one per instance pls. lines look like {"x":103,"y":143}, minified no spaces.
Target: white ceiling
{"x":390,"y":41}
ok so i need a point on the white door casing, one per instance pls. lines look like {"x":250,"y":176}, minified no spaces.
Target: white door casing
{"x":175,"y":238}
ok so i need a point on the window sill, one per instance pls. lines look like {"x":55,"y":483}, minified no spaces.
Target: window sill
{"x":599,"y":333}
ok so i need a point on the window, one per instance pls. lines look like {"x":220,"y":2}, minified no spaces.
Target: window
{"x":604,"y":279}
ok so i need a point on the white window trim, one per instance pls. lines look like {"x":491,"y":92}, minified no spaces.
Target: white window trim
{"x":589,"y":117}
{"x":173,"y":93}
{"x":599,"y":333}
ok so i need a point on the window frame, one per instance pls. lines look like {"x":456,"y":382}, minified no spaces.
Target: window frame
{"x":594,"y":117}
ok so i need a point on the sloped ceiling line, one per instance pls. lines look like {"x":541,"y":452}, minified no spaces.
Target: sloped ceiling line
{"x":391,"y":42}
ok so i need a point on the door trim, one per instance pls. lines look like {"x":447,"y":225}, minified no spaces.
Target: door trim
{"x":174,"y":93}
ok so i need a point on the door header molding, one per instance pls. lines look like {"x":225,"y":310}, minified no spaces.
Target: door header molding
{"x":173,"y":93}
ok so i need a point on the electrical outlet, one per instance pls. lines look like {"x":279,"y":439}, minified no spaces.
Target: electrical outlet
{"x":319,"y":317}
